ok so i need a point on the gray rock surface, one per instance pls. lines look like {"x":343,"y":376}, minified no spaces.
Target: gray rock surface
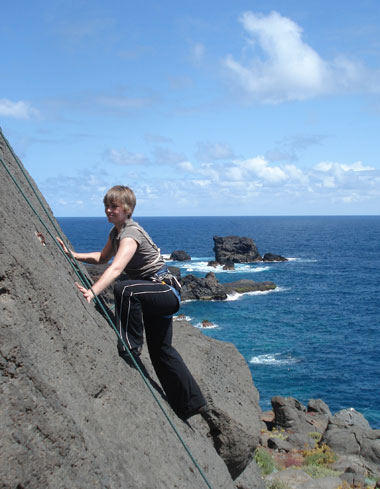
{"x":301,"y":441}
{"x":251,"y":478}
{"x":351,"y":417}
{"x":292,"y":477}
{"x":318,"y":406}
{"x":74,"y":414}
{"x":322,"y":483}
{"x":293,"y":416}
{"x":348,"y":434}
{"x":279,"y":445}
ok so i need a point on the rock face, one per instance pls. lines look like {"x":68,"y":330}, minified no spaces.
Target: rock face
{"x":235,"y":249}
{"x":73,"y":413}
{"x":180,"y":255}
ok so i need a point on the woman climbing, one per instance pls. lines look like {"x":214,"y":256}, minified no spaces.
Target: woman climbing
{"x":147,"y":300}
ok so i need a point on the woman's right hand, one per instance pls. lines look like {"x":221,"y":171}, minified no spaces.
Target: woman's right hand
{"x":64,"y":247}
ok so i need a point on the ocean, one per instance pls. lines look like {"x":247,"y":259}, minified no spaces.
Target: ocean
{"x":317,"y":335}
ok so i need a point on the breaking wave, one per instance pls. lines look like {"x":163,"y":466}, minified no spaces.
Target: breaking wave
{"x":234,"y":296}
{"x":277,"y":359}
{"x":203,"y":267}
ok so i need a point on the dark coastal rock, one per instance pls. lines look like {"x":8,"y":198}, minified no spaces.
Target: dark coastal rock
{"x":207,"y":324}
{"x":353,"y":479}
{"x":293,"y":416}
{"x":203,"y":289}
{"x":73,"y":413}
{"x":213,"y":263}
{"x":245,"y":285}
{"x":234,"y":445}
{"x":273,"y":257}
{"x":351,"y":417}
{"x":176,"y":272}
{"x":348,"y":433}
{"x":279,"y":444}
{"x":292,"y":427}
{"x":180,"y":255}
{"x":318,"y":406}
{"x":229,"y":265}
{"x":349,"y":464}
{"x":291,"y":477}
{"x":235,"y":249}
{"x":300,"y":441}
{"x":209,"y":288}
{"x":251,"y":478}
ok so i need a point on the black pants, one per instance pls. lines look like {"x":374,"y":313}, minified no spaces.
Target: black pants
{"x":142,"y":303}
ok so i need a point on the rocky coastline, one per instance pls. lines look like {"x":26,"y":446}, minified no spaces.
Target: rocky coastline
{"x":307,"y":446}
{"x":75,"y":414}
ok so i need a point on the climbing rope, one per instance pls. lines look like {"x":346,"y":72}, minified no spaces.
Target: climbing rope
{"x":86,"y":283}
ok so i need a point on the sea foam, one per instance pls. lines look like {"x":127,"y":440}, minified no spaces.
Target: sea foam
{"x":202,"y":266}
{"x":273,"y":359}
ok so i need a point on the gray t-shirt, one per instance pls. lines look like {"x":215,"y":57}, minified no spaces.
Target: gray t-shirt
{"x":147,"y":260}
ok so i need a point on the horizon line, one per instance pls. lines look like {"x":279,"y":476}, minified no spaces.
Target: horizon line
{"x":231,"y":215}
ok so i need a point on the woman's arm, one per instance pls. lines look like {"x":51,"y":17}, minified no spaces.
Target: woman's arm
{"x":127,"y":249}
{"x":93,"y":257}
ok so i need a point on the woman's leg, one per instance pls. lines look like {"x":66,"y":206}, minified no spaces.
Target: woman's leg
{"x":128,"y":317}
{"x":181,"y":389}
{"x":141,"y":302}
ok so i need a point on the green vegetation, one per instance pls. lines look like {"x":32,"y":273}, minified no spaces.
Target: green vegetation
{"x":264,"y":460}
{"x":317,"y":471}
{"x":322,"y":455}
{"x":276,"y":433}
{"x":315,"y":436}
{"x":277,"y":484}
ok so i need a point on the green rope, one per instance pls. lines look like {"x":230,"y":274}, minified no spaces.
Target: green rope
{"x":74,"y":264}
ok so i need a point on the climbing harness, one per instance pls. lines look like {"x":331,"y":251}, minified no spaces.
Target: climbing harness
{"x":86,"y":283}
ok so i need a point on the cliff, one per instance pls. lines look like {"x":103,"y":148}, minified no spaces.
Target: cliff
{"x":74,"y":414}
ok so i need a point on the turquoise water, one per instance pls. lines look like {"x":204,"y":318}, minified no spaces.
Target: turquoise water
{"x":318,"y":334}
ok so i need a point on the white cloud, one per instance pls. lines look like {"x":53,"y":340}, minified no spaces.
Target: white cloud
{"x":257,"y":168}
{"x":125,"y":158}
{"x":357,"y":166}
{"x":186,"y":165}
{"x":282,"y":67}
{"x":17,"y":110}
{"x":237,"y":186}
{"x":338,"y":168}
{"x":201,"y":183}
{"x":324,"y":166}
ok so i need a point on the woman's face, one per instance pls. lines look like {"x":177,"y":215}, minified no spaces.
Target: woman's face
{"x":115,"y":213}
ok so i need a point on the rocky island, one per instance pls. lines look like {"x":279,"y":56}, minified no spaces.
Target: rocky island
{"x":75,"y":415}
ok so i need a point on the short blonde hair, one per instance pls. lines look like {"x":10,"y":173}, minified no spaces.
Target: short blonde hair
{"x":123,"y":196}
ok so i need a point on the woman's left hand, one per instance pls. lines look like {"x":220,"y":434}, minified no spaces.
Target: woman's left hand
{"x":87,"y":293}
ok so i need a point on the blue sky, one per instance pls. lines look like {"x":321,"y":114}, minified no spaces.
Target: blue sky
{"x":203,"y":108}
